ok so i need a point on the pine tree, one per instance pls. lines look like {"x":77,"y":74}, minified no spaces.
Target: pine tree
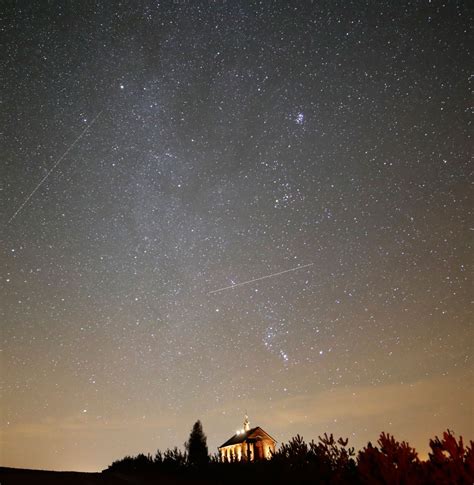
{"x":196,"y":446}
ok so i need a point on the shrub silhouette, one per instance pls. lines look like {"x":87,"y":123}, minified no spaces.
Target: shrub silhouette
{"x":171,"y":459}
{"x":450,"y":461}
{"x":295,"y":453}
{"x":132,"y":464}
{"x":337,"y":457}
{"x":329,"y":460}
{"x":394,"y":463}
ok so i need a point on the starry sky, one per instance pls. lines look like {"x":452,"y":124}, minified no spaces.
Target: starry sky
{"x":154,"y":152}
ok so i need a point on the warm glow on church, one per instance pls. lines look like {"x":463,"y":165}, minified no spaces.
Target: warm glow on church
{"x":248,"y":444}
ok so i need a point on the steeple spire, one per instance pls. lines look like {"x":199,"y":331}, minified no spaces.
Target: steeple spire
{"x":246,"y":423}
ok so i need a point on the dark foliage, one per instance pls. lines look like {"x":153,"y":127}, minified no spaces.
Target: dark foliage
{"x":394,"y":462}
{"x":450,"y":461}
{"x":196,"y":446}
{"x":168,"y":461}
{"x":328,"y":461}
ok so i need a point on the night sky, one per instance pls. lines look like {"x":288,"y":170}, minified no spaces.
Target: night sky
{"x":154,"y":152}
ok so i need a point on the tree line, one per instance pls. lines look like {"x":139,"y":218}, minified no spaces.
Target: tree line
{"x":326,"y":461}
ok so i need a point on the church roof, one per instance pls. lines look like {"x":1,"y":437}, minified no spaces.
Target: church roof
{"x":241,"y":437}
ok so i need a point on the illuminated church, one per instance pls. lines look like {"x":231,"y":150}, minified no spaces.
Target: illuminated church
{"x":248,"y":444}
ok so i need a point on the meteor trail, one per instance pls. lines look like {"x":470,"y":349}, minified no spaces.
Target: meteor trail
{"x":261,"y":278}
{"x":58,"y":161}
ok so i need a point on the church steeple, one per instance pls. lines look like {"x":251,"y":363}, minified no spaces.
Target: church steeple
{"x":246,"y":423}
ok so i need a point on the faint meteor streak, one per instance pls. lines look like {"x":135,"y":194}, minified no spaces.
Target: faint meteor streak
{"x":58,"y":161}
{"x":261,"y":278}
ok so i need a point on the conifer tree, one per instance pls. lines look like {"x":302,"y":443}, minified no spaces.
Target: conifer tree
{"x":196,"y":446}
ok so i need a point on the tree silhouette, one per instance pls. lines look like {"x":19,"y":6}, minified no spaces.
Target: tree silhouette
{"x":394,"y":462}
{"x":450,"y":460}
{"x":196,"y":446}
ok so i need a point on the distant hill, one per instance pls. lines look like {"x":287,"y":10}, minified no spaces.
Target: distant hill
{"x":21,"y":476}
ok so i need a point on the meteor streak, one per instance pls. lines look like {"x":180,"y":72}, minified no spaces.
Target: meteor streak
{"x":259,"y":279}
{"x":58,"y":161}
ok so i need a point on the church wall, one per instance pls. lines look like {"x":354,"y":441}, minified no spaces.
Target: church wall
{"x":240,"y":452}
